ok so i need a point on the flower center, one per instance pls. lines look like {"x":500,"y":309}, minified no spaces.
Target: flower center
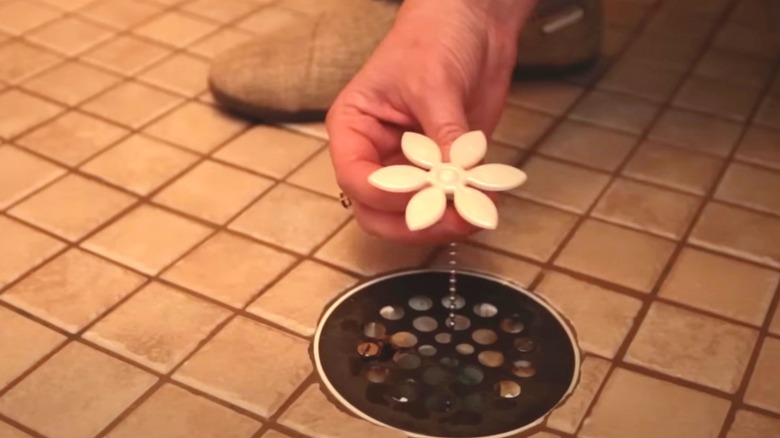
{"x":448,"y":176}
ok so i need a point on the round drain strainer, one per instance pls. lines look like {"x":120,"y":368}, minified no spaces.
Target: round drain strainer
{"x":385,"y":351}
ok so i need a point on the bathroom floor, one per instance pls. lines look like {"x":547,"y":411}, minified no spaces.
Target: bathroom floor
{"x":161,"y":274}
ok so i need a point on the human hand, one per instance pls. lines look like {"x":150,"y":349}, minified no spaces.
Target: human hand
{"x":444,"y":69}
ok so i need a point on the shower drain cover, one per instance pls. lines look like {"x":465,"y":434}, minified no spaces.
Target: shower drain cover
{"x":384,"y":351}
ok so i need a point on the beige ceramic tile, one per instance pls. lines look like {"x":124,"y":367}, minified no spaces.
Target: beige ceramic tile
{"x":774,"y":327}
{"x":528,"y":229}
{"x":589,"y":145}
{"x":665,"y":49}
{"x":721,"y":285}
{"x":197,"y":126}
{"x":22,"y":344}
{"x":621,"y":413}
{"x":521,"y":128}
{"x":625,"y":257}
{"x":270,"y":20}
{"x":769,"y":114}
{"x":314,"y":415}
{"x":283,"y":217}
{"x":567,"y":417}
{"x":717,"y":97}
{"x":19,"y":16}
{"x":73,"y":290}
{"x":68,"y":5}
{"x":313,"y":129}
{"x":72,"y":207}
{"x":747,"y":40}
{"x":126,"y":54}
{"x":173,"y":412}
{"x":624,"y":14}
{"x":751,"y":186}
{"x":147,"y":239}
{"x":70,"y":35}
{"x":83,"y":81}
{"x":221,"y":41}
{"x":76,"y":393}
{"x":740,"y":233}
{"x":491,"y":263}
{"x":674,"y":167}
{"x":748,"y":424}
{"x":318,"y":175}
{"x":220,"y":10}
{"x":229,"y":269}
{"x":647,"y":208}
{"x":697,"y":132}
{"x":625,"y":113}
{"x":561,"y":185}
{"x":272,"y":434}
{"x":8,"y":431}
{"x":121,"y":14}
{"x":294,"y":302}
{"x":613,"y":40}
{"x":22,"y":173}
{"x":551,"y":97}
{"x":356,"y":250}
{"x":544,"y":435}
{"x":176,"y":29}
{"x":690,"y":23}
{"x":692,"y":346}
{"x":213,"y":191}
{"x":23,"y":249}
{"x":181,"y":73}
{"x":642,"y":79}
{"x":236,"y":365}
{"x":269,"y":150}
{"x":498,"y":153}
{"x":21,"y":61}
{"x":763,"y":391}
{"x":732,"y":67}
{"x":132,"y":104}
{"x":759,"y":146}
{"x":140,"y":164}
{"x":157,"y":327}
{"x":600,"y":329}
{"x":20,"y":111}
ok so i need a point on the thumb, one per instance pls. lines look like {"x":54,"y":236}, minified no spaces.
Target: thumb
{"x":442,"y":117}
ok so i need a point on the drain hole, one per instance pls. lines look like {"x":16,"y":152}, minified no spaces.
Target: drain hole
{"x":369,"y":349}
{"x":374,"y":330}
{"x":459,"y":302}
{"x":393,"y":313}
{"x":425,"y":324}
{"x":427,"y":350}
{"x":459,"y":322}
{"x":525,"y":345}
{"x":485,"y":310}
{"x":407,"y":361}
{"x":450,"y":362}
{"x":464,"y":348}
{"x":507,"y":389}
{"x":443,"y":338}
{"x":435,"y":376}
{"x":404,"y":393}
{"x":484,"y":336}
{"x":491,"y":359}
{"x":523,"y":368}
{"x":470,"y":376}
{"x":420,"y":303}
{"x":512,"y":324}
{"x":403,"y":340}
{"x":377,"y":374}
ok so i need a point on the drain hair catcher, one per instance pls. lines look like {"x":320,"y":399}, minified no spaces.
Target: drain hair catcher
{"x":385,"y":353}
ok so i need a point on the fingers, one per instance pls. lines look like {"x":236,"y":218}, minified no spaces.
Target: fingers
{"x":442,"y":116}
{"x":392,"y":226}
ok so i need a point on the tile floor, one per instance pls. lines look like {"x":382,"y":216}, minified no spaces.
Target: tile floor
{"x":157,"y":255}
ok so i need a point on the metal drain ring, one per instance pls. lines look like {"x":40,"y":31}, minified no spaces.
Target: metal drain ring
{"x":383,"y":352}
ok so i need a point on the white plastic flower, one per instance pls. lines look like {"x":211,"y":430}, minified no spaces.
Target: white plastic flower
{"x":440,"y":181}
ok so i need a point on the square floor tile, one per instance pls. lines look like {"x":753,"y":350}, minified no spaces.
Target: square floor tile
{"x":213,"y":191}
{"x":498,"y":153}
{"x":665,"y":49}
{"x":647,"y":208}
{"x":721,"y":285}
{"x":317,"y":175}
{"x":147,"y":239}
{"x":23,"y":249}
{"x":569,"y":415}
{"x":140,"y":164}
{"x":269,"y":150}
{"x":561,"y":185}
{"x":197,"y":126}
{"x":8,"y":431}
{"x":732,"y":67}
{"x":19,"y":16}
{"x":236,"y":364}
{"x":21,"y":61}
{"x":76,"y":393}
{"x":272,"y":434}
{"x":489,"y":262}
{"x":696,"y":132}
{"x":126,"y":54}
{"x":589,"y":145}
{"x":613,"y":40}
{"x":624,"y":14}
{"x":625,"y":113}
{"x":751,"y":186}
{"x":220,"y":10}
{"x":621,"y":256}
{"x":157,"y":327}
{"x":674,"y":167}
{"x":120,"y":14}
{"x":769,"y":113}
{"x":313,"y":414}
{"x":175,"y":412}
{"x":759,"y":146}
{"x":763,"y":391}
{"x":20,"y":111}
{"x":73,"y":207}
{"x":284,"y":215}
{"x":642,"y":79}
{"x":295,"y":303}
{"x":688,"y":22}
{"x":68,"y":5}
{"x":739,"y":232}
{"x":270,"y":20}
{"x":528,"y":229}
{"x":600,"y":329}
{"x":521,"y":128}
{"x":22,"y":173}
{"x":132,"y":104}
{"x":354,"y":249}
{"x":748,"y":424}
{"x":36,"y":342}
{"x":70,"y":35}
{"x":552,"y":97}
{"x":229,"y":269}
{"x":312,"y":129}
{"x":181,"y":73}
{"x":632,"y":404}
{"x":83,"y":81}
{"x":716,"y":97}
{"x":176,"y":29}
{"x":73,"y":290}
{"x":221,"y":41}
{"x":692,"y":346}
{"x":747,"y":40}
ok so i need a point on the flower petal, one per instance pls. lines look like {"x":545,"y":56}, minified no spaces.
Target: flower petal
{"x":476,"y":208}
{"x":496,"y":177}
{"x":420,"y":150}
{"x":399,"y":179}
{"x":425,"y":208}
{"x":468,"y":149}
